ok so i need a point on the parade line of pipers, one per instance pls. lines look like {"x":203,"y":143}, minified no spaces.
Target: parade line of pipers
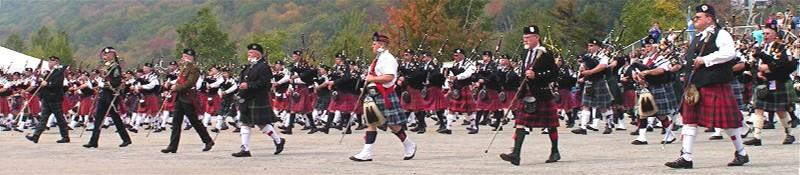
{"x":723,"y":82}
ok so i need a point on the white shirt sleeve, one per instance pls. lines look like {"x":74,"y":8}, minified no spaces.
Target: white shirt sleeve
{"x":286,"y":76}
{"x":217,"y":81}
{"x":726,"y":52}
{"x":387,"y":65}
{"x":199,"y":82}
{"x":152,"y":82}
{"x":232,"y":88}
{"x":468,"y":71}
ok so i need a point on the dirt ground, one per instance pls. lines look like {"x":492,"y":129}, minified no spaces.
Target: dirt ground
{"x":458,"y":153}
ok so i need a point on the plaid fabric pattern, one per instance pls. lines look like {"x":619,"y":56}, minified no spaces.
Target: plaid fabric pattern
{"x":491,"y":103}
{"x":215,"y":104}
{"x":567,"y":101}
{"x":344,"y":103}
{"x":436,"y":99}
{"x":616,"y":90}
{"x":394,"y":116}
{"x":665,"y":98}
{"x":254,"y":114}
{"x":464,"y":104}
{"x":546,"y":115}
{"x":716,"y":108}
{"x":416,"y":103}
{"x":597,"y":94}
{"x":305,"y":104}
{"x":629,"y":99}
{"x":227,"y":106}
{"x":738,"y":90}
{"x":279,"y":103}
{"x":775,"y":100}
{"x":322,"y":101}
{"x":5,"y":107}
{"x":150,"y":106}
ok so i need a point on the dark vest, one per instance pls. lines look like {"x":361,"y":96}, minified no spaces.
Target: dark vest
{"x":716,"y":74}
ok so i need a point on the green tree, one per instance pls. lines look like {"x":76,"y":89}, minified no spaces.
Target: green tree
{"x":203,"y":34}
{"x":638,"y":17}
{"x":39,"y":43}
{"x":273,"y":44}
{"x":15,"y":43}
{"x":60,"y":47}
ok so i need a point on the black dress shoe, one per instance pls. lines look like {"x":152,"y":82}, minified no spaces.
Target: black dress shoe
{"x":63,"y":140}
{"x":33,"y":139}
{"x":554,"y":157}
{"x":215,"y":130}
{"x":669,"y":142}
{"x":514,"y":159}
{"x":680,"y":163}
{"x":649,"y":129}
{"x":579,"y":131}
{"x":125,"y":144}
{"x":472,"y":131}
{"x":607,"y":131}
{"x":590,"y":128}
{"x":90,"y":145}
{"x":789,"y":140}
{"x":446,"y":131}
{"x":237,"y":130}
{"x":739,"y":160}
{"x":208,"y":146}
{"x":359,"y":160}
{"x":312,"y":131}
{"x":169,"y":150}
{"x":348,"y":131}
{"x":635,"y":133}
{"x":769,"y":125}
{"x":324,"y":130}
{"x":158,"y":130}
{"x":753,"y":142}
{"x":421,"y":130}
{"x":305,"y":128}
{"x":287,"y":132}
{"x":637,"y":142}
{"x":570,"y":125}
{"x":241,"y":153}
{"x":709,"y":130}
{"x":133,"y":130}
{"x":188,"y":127}
{"x":279,"y":146}
{"x":715,"y":138}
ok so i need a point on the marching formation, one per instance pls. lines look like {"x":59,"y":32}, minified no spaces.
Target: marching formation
{"x":726,"y":82}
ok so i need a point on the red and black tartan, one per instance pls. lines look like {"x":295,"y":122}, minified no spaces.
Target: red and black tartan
{"x":201,"y":103}
{"x":629,"y":99}
{"x":464,"y":104}
{"x":66,"y":105}
{"x":216,"y":104}
{"x":151,"y":105}
{"x":34,"y":108}
{"x":546,"y":115}
{"x":169,"y":105}
{"x":509,"y":96}
{"x":436,"y":99}
{"x":5,"y":106}
{"x":87,"y":105}
{"x":306,"y":102}
{"x":567,"y":100}
{"x":344,"y":103}
{"x":747,"y":94}
{"x":416,"y":103}
{"x":716,"y":108}
{"x":279,"y":104}
{"x":491,"y":103}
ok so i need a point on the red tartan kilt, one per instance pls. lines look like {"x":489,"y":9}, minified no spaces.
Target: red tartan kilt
{"x":87,"y":106}
{"x":33,"y":106}
{"x":416,"y":103}
{"x":629,"y":99}
{"x":717,"y":108}
{"x":5,"y":106}
{"x":546,"y":115}
{"x":436,"y":99}
{"x":464,"y":104}
{"x":579,"y":97}
{"x":567,"y":100}
{"x":344,"y":103}
{"x":509,"y":96}
{"x":151,"y":105}
{"x":306,"y":102}
{"x":492,"y":102}
{"x":169,"y":105}
{"x":202,"y":103}
{"x":747,"y":94}
{"x":65,"y":105}
{"x":123,"y":107}
{"x":215,"y":104}
{"x":280,"y":105}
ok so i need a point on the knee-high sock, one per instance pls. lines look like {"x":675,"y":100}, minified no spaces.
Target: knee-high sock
{"x":420,"y":119}
{"x":585,"y":114}
{"x":553,"y":132}
{"x":220,"y":121}
{"x":642,"y":131}
{"x":206,"y":119}
{"x":784,"y":120}
{"x":370,"y":137}
{"x":689,"y":133}
{"x":401,"y":135}
{"x":337,"y":116}
{"x":138,"y":121}
{"x":245,"y":131}
{"x":737,"y":140}
{"x":450,"y":119}
{"x":164,"y":117}
{"x":758,"y":125}
{"x":270,"y":131}
{"x":666,"y":122}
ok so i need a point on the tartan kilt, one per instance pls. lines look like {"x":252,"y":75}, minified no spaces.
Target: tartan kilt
{"x":464,"y":104}
{"x":227,"y":106}
{"x":567,"y":101}
{"x":747,"y":94}
{"x":579,"y":96}
{"x":509,"y":96}
{"x":66,"y":105}
{"x":737,"y":92}
{"x":5,"y":107}
{"x":34,"y":108}
{"x":616,"y":90}
{"x":546,"y":115}
{"x":87,"y":106}
{"x":492,"y":102}
{"x":394,"y":116}
{"x":775,"y":100}
{"x":436,"y":99}
{"x":600,"y":95}
{"x":305,"y":104}
{"x":416,"y":103}
{"x":322,"y":101}
{"x":151,"y":105}
{"x":169,"y":105}
{"x":279,"y":102}
{"x":716,"y":108}
{"x":665,"y":99}
{"x":629,"y":99}
{"x":344,"y":103}
{"x":256,"y":111}
{"x":201,"y":103}
{"x":216,"y":104}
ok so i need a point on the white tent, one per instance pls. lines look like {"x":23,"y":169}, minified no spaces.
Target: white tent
{"x":13,"y":61}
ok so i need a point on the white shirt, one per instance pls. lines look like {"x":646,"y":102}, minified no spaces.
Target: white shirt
{"x":468,"y":67}
{"x":727,"y":48}
{"x":386,"y":65}
{"x":152,"y":81}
